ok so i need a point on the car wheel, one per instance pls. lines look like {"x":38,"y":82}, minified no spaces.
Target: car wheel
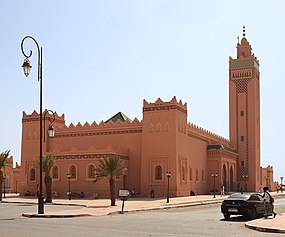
{"x":227,"y":215}
{"x":252,"y":213}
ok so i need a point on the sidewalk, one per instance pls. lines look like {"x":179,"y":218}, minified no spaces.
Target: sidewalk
{"x":273,"y":225}
{"x":99,"y":207}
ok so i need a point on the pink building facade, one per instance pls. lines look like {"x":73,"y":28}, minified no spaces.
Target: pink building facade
{"x":162,"y":141}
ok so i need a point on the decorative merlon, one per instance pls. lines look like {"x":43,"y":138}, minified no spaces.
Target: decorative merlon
{"x":161,"y":105}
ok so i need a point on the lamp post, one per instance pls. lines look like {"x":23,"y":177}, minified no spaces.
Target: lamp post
{"x":69,"y":194}
{"x":27,"y":67}
{"x":4,"y":179}
{"x":281,"y":184}
{"x":214,"y":175}
{"x":168,"y":174}
{"x":16,"y":185}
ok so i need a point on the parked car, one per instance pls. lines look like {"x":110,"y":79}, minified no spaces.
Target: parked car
{"x":249,"y":205}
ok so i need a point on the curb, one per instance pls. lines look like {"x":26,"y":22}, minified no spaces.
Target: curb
{"x":265,"y":229}
{"x":50,"y":203}
{"x":54,"y":215}
{"x":180,"y":205}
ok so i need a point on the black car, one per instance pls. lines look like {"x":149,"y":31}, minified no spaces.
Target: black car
{"x":249,"y":205}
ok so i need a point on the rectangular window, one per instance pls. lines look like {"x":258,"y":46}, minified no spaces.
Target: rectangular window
{"x":242,"y":163}
{"x":242,"y":138}
{"x":241,"y":113}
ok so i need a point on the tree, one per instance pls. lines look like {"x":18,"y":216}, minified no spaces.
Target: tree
{"x":48,"y":162}
{"x":110,"y":167}
{"x":3,"y":163}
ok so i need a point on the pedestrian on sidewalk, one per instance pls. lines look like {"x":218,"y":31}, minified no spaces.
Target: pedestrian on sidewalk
{"x":152,"y":191}
{"x":38,"y":190}
{"x":222,"y":190}
{"x":268,"y":202}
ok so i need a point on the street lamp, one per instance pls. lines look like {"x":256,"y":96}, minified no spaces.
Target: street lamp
{"x":27,"y":67}
{"x":69,"y":177}
{"x":281,"y":185}
{"x":168,"y":174}
{"x":214,"y":175}
{"x":4,"y":179}
{"x":51,"y":131}
{"x":16,"y":185}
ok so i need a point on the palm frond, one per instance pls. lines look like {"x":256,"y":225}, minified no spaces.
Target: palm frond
{"x":110,"y":167}
{"x":47,"y":162}
{"x":4,"y":159}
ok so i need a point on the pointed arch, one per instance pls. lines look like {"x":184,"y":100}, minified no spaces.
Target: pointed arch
{"x":73,"y":171}
{"x":55,"y":172}
{"x":91,"y":171}
{"x":33,"y":174}
{"x":158,"y":172}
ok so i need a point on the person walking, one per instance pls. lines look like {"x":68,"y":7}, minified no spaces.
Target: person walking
{"x":268,"y":202}
{"x":37,"y":190}
{"x":152,"y":191}
{"x":222,"y":190}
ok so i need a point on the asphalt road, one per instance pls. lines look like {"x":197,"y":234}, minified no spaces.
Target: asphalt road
{"x":190,"y":221}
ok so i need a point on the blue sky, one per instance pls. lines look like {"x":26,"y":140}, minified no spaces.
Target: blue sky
{"x":101,"y":57}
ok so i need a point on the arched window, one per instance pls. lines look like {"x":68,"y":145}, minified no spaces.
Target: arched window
{"x":191,"y":175}
{"x":72,"y":171}
{"x":55,"y":172}
{"x":91,"y":171}
{"x":32,"y":174}
{"x":158,"y":172}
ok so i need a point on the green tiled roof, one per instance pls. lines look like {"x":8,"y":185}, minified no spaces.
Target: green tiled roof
{"x":221,"y":147}
{"x":244,"y":64}
{"x":118,"y":116}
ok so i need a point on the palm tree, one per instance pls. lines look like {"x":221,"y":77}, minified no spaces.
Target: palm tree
{"x":48,"y":162}
{"x":3,"y":163}
{"x":111,"y":167}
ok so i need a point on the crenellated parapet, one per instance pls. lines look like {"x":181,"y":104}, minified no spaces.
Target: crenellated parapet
{"x":159,"y":105}
{"x":103,"y":128}
{"x":35,"y":116}
{"x":193,"y":129}
{"x":102,"y":124}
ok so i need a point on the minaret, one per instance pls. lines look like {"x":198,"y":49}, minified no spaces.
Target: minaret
{"x":244,"y":112}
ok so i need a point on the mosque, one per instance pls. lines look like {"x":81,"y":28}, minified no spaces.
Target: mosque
{"x":162,"y":142}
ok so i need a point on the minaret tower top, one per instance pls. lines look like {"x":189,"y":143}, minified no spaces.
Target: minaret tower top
{"x":244,"y":48}
{"x":245,"y":57}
